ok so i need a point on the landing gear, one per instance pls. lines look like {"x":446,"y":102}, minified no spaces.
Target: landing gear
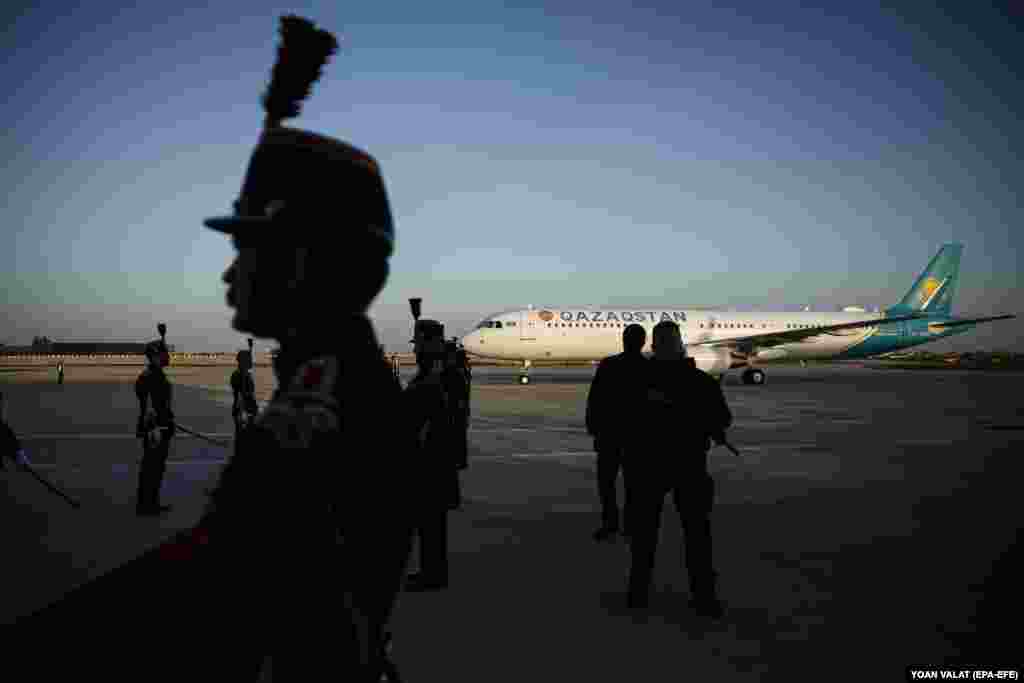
{"x":524,"y":378}
{"x":753,"y":376}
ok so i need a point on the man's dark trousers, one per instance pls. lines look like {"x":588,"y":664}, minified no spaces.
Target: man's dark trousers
{"x":693,"y":495}
{"x":432,"y":529}
{"x":609,"y":464}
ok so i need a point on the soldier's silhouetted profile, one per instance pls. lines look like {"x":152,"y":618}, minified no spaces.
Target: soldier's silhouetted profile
{"x":684,"y":410}
{"x":614,"y":395}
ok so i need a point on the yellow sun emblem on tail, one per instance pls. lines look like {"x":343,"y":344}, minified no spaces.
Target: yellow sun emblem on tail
{"x":928,"y":288}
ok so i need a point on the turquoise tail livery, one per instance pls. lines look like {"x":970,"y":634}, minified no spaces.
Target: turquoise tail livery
{"x":935,"y":287}
{"x":931,"y":297}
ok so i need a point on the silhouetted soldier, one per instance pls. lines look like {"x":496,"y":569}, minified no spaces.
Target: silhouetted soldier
{"x":313,"y":221}
{"x":244,"y":408}
{"x":154,"y":427}
{"x":615,"y":393}
{"x":685,"y":410}
{"x":429,"y":411}
{"x":303,"y":548}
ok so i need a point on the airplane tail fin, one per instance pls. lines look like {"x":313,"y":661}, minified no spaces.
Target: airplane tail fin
{"x":935,"y":287}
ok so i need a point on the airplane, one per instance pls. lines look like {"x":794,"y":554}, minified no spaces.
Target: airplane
{"x":720,"y":341}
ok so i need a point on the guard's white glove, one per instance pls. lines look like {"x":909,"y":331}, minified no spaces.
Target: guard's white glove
{"x":21,"y":458}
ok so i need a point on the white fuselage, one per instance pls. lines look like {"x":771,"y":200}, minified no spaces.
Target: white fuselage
{"x":593,"y":334}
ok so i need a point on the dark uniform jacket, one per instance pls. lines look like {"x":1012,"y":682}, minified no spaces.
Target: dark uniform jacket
{"x":303,"y":547}
{"x":684,"y":409}
{"x":324,"y":462}
{"x":456,"y":383}
{"x":615,"y":396}
{"x":430,"y":403}
{"x":244,"y":391}
{"x":152,"y":386}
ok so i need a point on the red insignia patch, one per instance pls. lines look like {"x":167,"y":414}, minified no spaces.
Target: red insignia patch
{"x":312,"y":376}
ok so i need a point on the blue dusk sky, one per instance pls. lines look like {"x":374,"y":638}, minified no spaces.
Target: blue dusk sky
{"x":760,"y":155}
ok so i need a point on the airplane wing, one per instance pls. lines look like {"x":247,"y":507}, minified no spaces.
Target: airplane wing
{"x":748,"y":343}
{"x":970,"y":321}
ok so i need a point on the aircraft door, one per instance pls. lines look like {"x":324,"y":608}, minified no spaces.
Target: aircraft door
{"x":528,"y":322}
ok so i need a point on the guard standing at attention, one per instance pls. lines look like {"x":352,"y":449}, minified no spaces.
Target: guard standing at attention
{"x":155,"y":426}
{"x":614,"y":396}
{"x":312,"y":513}
{"x":684,"y":411}
{"x":244,"y":408}
{"x":301,"y":552}
{"x":427,"y":407}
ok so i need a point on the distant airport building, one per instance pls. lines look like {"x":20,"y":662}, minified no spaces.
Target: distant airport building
{"x":80,"y":349}
{"x":96,"y":348}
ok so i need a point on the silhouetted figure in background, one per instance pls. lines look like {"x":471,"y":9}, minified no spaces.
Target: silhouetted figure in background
{"x":428,"y":411}
{"x":155,"y":427}
{"x":685,"y":409}
{"x":615,"y":393}
{"x":244,"y":408}
{"x":60,"y":372}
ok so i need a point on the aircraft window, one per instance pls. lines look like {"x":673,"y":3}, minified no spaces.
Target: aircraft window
{"x":510,"y":324}
{"x":497,"y":323}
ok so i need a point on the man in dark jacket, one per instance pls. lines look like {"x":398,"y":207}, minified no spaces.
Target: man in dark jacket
{"x":685,"y":410}
{"x":611,"y":403}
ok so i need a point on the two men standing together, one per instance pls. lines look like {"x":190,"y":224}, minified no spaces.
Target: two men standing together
{"x":654,"y":420}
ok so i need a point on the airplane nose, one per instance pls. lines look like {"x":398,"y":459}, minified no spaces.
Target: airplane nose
{"x":471,"y":342}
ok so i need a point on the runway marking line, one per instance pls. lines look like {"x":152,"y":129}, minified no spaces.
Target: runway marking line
{"x":117,"y":435}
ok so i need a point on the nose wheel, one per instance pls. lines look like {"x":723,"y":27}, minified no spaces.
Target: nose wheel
{"x":753,"y":376}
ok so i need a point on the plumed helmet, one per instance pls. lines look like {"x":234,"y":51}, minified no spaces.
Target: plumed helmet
{"x":429,"y":330}
{"x":325,"y":188}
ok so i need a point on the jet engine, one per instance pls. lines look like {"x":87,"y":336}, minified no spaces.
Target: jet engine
{"x":712,"y":361}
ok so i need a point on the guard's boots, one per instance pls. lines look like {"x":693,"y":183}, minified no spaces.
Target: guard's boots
{"x":704,"y":598}
{"x":418,"y":582}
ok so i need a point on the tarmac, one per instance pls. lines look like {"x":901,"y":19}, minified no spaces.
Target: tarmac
{"x":852,"y":536}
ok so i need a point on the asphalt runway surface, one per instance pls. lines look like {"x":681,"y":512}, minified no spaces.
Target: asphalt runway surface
{"x":852,"y":538}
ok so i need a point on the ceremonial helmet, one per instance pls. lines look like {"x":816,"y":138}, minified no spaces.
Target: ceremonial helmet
{"x":334,"y":189}
{"x":427,"y":329}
